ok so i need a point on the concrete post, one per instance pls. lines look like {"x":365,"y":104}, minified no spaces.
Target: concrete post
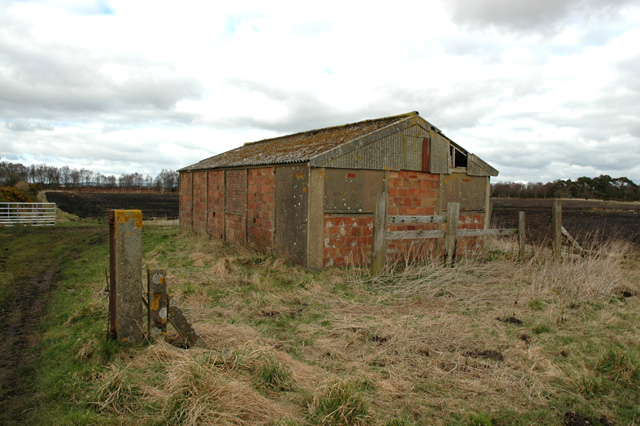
{"x":125,"y":227}
{"x":158,"y":301}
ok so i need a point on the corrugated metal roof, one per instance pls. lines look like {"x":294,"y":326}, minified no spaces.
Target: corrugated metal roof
{"x":296,"y":148}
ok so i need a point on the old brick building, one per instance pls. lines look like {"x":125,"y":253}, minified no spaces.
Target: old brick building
{"x":310,"y":196}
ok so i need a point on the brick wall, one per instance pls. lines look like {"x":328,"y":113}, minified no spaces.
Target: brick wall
{"x":412,"y":194}
{"x":347,"y":239}
{"x":235,"y":206}
{"x":215,"y":204}
{"x":470,"y":245}
{"x":185,"y":200}
{"x":260,"y":207}
{"x":199,"y":201}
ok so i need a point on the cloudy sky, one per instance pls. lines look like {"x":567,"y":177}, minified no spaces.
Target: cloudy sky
{"x":541,"y":89}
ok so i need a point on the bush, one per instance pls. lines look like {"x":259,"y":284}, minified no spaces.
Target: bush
{"x":14,"y":195}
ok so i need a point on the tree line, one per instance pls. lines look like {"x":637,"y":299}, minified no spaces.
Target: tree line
{"x":51,"y":177}
{"x":603,"y":187}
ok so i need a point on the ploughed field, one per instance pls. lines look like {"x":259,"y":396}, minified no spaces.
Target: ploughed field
{"x":96,"y":205}
{"x":586,"y":220}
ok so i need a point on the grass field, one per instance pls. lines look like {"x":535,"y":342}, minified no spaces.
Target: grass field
{"x":495,"y":341}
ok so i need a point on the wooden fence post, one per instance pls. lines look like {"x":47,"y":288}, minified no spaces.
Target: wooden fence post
{"x":379,"y":247}
{"x":451,"y":235}
{"x":521,"y":234}
{"x":556,"y":220}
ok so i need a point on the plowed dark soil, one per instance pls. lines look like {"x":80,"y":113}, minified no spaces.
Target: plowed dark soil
{"x":96,"y":205}
{"x":586,"y":220}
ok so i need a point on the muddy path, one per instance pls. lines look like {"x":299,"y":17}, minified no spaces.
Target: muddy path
{"x":32,"y":261}
{"x":20,"y":335}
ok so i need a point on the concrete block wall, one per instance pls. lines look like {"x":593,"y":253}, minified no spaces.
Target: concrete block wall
{"x":347,"y":239}
{"x":215,"y":204}
{"x":260,"y":207}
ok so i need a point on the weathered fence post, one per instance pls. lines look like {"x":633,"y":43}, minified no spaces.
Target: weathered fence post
{"x":556,"y":220}
{"x":125,"y":295}
{"x":521,"y":234}
{"x":379,"y":247}
{"x":451,"y":235}
{"x":158,"y":301}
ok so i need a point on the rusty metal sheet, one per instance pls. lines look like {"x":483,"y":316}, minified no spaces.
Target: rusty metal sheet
{"x":352,"y":191}
{"x":291,"y":213}
{"x":439,"y":154}
{"x":477,"y":167}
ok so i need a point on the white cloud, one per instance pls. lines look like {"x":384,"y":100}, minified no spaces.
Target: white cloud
{"x":541,"y":90}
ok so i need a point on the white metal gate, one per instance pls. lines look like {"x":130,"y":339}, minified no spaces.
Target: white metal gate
{"x":36,"y":214}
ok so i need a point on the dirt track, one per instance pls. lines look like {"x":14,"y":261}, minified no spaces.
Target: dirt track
{"x":21,"y":335}
{"x":32,"y":274}
{"x":584,"y":219}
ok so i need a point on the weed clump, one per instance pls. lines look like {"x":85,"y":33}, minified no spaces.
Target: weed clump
{"x":341,"y":404}
{"x":273,"y":375}
{"x":619,"y":366}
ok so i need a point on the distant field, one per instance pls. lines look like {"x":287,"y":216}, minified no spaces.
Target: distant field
{"x":582,"y":218}
{"x":96,"y":205}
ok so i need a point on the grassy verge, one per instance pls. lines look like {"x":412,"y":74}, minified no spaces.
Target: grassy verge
{"x":494,"y":341}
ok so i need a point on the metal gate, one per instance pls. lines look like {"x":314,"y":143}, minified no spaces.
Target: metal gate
{"x":36,"y":214}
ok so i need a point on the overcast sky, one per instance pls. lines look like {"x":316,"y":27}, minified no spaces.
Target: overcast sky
{"x":542,"y":89}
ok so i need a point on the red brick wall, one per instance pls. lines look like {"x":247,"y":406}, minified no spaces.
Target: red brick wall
{"x":412,"y":194}
{"x":235,"y":205}
{"x":200,"y":202}
{"x":347,"y":239}
{"x":185,"y":200}
{"x":235,"y":228}
{"x":215,"y":204}
{"x":235,"y":192}
{"x":260,"y":207}
{"x":470,"y":245}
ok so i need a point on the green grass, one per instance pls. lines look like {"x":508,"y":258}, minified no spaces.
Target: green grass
{"x":287,"y":346}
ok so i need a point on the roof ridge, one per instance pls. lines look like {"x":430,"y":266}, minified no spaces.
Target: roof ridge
{"x":370,"y":120}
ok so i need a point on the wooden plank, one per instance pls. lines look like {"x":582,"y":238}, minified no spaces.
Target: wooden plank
{"x":571,"y":239}
{"x":417,"y":219}
{"x":414,"y":235}
{"x":379,"y":247}
{"x":556,"y":220}
{"x":486,"y":232}
{"x":451,"y":237}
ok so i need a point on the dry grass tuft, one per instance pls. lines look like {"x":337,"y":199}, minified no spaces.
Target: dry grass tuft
{"x":418,"y":344}
{"x":597,"y":274}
